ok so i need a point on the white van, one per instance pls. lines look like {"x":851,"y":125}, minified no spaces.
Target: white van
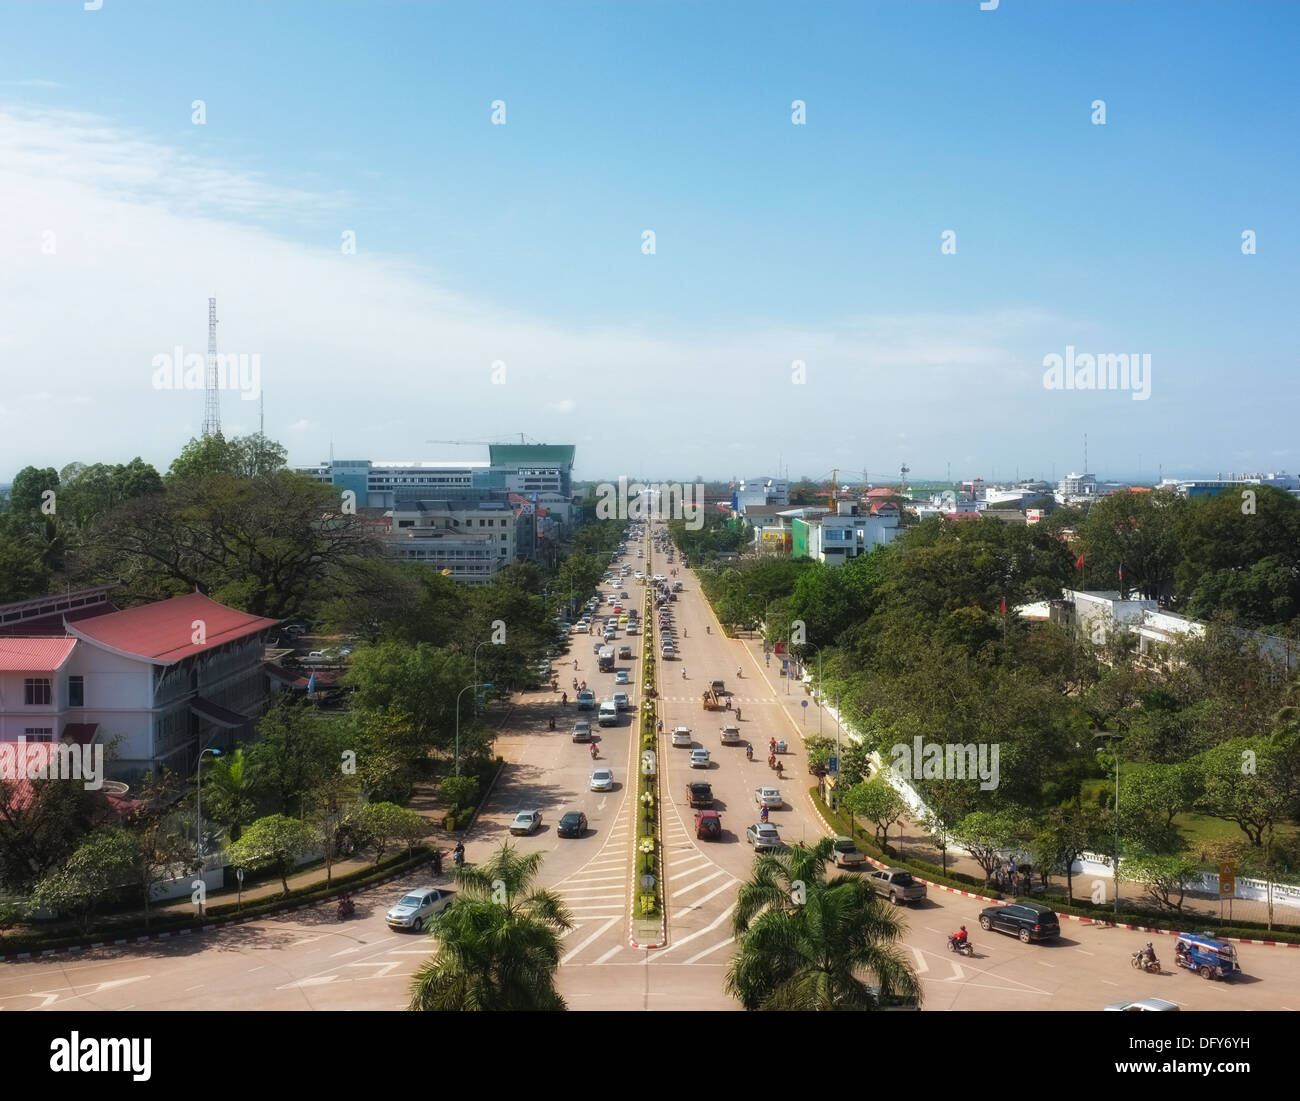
{"x":608,"y":713}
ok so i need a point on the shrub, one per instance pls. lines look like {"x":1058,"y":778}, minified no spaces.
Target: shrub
{"x":450,"y":822}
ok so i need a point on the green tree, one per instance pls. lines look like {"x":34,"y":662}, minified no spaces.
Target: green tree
{"x":95,"y":874}
{"x":1249,"y":781}
{"x":419,"y":681}
{"x":231,"y":788}
{"x":1138,"y":531}
{"x":1066,"y":834}
{"x":877,"y":802}
{"x":274,"y":842}
{"x":498,"y":943}
{"x":23,"y":575}
{"x":41,"y":825}
{"x":1165,"y":878}
{"x":986,"y":835}
{"x":383,"y":823}
{"x":819,"y":946}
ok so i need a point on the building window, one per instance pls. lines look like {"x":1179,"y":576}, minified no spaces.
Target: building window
{"x":38,"y":734}
{"x":76,"y":691}
{"x":36,"y":691}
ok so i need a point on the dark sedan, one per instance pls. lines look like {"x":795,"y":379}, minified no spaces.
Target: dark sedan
{"x":573,"y":824}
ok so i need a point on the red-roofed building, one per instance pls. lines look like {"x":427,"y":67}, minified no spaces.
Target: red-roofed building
{"x":162,"y":681}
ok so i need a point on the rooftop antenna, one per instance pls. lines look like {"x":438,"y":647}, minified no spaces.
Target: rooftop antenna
{"x":904,"y":470}
{"x":212,"y":398}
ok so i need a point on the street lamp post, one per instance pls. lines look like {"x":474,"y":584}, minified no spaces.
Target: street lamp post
{"x":458,"y":696}
{"x":485,"y":642}
{"x":198,"y":816}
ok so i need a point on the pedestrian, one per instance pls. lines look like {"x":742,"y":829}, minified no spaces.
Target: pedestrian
{"x":437,"y":862}
{"x":1000,"y":876}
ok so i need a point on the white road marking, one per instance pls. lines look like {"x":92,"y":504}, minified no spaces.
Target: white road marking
{"x":957,"y":973}
{"x":1042,"y":964}
{"x":922,"y":964}
{"x":348,"y":951}
{"x":712,"y":894}
{"x":586,"y":942}
{"x":1109,"y":983}
{"x":612,"y":952}
{"x":257,"y":968}
{"x":1085,"y":952}
{"x":692,"y":936}
{"x":385,"y":967}
{"x":698,"y":883}
{"x":315,"y":980}
{"x":708,"y":951}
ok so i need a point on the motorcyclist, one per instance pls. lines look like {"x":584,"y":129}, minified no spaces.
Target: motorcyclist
{"x":683,"y":672}
{"x":564,"y":698}
{"x":1147,"y":955}
{"x":739,"y":674}
{"x":659,"y":726}
{"x":458,"y":853}
{"x":552,"y":722}
{"x":594,"y":751}
{"x":708,"y":629}
{"x":762,"y":815}
{"x":959,"y":938}
{"x":749,"y":752}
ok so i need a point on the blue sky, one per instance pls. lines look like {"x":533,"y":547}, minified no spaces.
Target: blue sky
{"x":774,"y":242}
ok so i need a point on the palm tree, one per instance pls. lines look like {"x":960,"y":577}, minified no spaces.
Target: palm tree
{"x":807,"y":943}
{"x":231,"y":788}
{"x":498,"y":943}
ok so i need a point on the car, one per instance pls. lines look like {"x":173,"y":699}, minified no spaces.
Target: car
{"x":586,"y":700}
{"x":624,"y":654}
{"x":699,"y":794}
{"x":700,"y":758}
{"x":730,"y":735}
{"x":632,"y":628}
{"x":769,"y":797}
{"x":602,"y":779}
{"x":623,"y":595}
{"x":621,"y":677}
{"x":763,"y":835}
{"x":708,"y":825}
{"x":682,"y":736}
{"x":526,"y":821}
{"x":582,"y":730}
{"x":621,"y":701}
{"x":846,"y":854}
{"x":608,"y":714}
{"x":595,"y":648}
{"x":1145,"y":1005}
{"x":414,"y":909}
{"x":1026,"y":920}
{"x":572,"y":824}
{"x":898,"y":885}
{"x":610,"y":634}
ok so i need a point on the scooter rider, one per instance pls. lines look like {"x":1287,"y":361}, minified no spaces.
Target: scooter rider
{"x":959,"y":937}
{"x":762,"y":815}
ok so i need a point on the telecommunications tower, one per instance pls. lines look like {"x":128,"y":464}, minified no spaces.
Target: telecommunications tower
{"x":212,"y":398}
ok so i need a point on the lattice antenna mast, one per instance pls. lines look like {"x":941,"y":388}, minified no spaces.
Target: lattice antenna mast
{"x":212,"y":397}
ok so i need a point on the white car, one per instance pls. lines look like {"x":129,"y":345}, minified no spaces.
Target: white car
{"x":602,"y":779}
{"x":682,"y":736}
{"x":415,"y":908}
{"x":699,"y":757}
{"x":763,"y":835}
{"x":621,"y":701}
{"x":769,"y":797}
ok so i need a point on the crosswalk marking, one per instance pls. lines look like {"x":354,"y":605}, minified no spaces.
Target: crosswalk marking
{"x":586,"y":942}
{"x":698,"y":883}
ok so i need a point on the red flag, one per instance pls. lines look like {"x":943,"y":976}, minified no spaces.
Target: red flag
{"x":1079,"y":564}
{"x":1004,"y":605}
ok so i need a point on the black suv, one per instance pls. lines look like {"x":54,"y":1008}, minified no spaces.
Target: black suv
{"x":700,"y":794}
{"x":1026,"y":920}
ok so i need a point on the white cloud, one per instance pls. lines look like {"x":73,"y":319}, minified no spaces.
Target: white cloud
{"x":379,"y":355}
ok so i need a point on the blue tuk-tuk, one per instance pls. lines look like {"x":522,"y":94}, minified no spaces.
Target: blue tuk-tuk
{"x":1209,"y":957}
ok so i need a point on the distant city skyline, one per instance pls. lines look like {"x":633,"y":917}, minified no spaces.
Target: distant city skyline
{"x":822,"y":239}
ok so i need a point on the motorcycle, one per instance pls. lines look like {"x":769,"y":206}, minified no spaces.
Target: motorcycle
{"x":458,"y":857}
{"x":346,"y":908}
{"x":749,"y":752}
{"x":594,"y":752}
{"x":1140,"y":961}
{"x":964,"y":947}
{"x":551,"y":722}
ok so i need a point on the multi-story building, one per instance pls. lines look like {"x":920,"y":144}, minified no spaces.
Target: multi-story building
{"x":495,"y":520}
{"x":1208,"y":487}
{"x":761,"y":492}
{"x":160,"y":682}
{"x":851,"y":530}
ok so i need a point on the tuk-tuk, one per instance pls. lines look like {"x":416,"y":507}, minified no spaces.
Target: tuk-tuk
{"x":1209,"y":957}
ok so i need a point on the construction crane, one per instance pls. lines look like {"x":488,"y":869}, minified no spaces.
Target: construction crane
{"x":479,"y":443}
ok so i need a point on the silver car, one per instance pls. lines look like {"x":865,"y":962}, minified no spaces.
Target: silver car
{"x":414,"y":909}
{"x":763,"y":835}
